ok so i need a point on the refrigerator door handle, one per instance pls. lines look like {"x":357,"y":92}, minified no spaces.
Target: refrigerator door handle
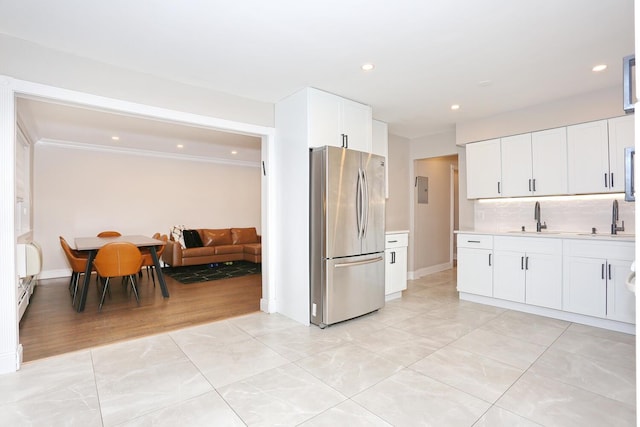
{"x":355,"y":263}
{"x":365,"y":203}
{"x":359,"y":205}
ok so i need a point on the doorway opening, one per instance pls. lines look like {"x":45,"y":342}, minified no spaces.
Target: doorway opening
{"x":435,"y":215}
{"x":264,"y":137}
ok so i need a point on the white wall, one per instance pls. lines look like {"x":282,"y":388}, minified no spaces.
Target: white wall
{"x":28,"y":61}
{"x":80,"y":192}
{"x":587,"y":107}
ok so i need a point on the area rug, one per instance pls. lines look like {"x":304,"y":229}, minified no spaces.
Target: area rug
{"x":207,"y":272}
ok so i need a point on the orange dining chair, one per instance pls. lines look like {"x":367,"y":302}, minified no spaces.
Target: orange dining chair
{"x":78,"y":262}
{"x":147,"y":259}
{"x":118,"y":259}
{"x":109,"y":233}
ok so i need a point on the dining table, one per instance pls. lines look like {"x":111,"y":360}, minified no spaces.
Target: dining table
{"x":91,"y":245}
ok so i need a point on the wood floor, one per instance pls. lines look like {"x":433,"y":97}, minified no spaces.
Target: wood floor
{"x":50,"y":326}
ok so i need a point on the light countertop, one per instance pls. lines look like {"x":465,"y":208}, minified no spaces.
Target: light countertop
{"x":396,"y":231}
{"x":621,"y":237}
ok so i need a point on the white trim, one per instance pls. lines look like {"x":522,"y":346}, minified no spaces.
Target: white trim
{"x":145,"y":153}
{"x":11,"y":88}
{"x":452,"y":211}
{"x":413,"y":275}
{"x":9,"y":352}
{"x":612,"y":325}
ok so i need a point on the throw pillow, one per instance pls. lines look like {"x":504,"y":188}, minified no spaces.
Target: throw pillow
{"x":176,"y":234}
{"x":192,"y":239}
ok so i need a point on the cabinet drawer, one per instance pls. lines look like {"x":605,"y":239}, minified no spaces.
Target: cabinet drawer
{"x":606,"y":250}
{"x":482,"y":241}
{"x":396,"y":240}
{"x":540,"y":245}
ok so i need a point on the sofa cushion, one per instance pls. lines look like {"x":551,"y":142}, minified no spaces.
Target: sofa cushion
{"x":192,"y":239}
{"x":228,"y":249}
{"x":244,"y":235}
{"x":214,"y":237}
{"x":176,"y":234}
{"x":253,"y":248}
{"x":197,"y":252}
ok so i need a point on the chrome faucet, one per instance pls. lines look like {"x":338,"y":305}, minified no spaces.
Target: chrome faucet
{"x":536,"y":216}
{"x":614,"y":219}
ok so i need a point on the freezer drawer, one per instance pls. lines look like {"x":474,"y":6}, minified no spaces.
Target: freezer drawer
{"x":350,"y":287}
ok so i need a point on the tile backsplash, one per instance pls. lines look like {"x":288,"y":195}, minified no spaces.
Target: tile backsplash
{"x":562,"y":214}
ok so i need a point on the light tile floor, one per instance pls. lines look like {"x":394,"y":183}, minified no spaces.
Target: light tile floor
{"x":427,"y":359}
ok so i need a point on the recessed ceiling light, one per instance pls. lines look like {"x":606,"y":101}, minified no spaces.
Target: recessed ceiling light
{"x":234,"y":152}
{"x":115,"y":138}
{"x":180,"y":146}
{"x":455,"y":107}
{"x":368,"y":67}
{"x":599,"y":67}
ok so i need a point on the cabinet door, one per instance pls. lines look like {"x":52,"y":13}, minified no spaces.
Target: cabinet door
{"x":509,"y":276}
{"x":395,"y":270}
{"x":588,"y":158}
{"x":356,"y":125}
{"x":544,"y":280}
{"x":475,"y":271}
{"x":584,"y":286}
{"x":324,"y":119}
{"x":621,"y":302}
{"x":484,"y":172}
{"x":549,"y":161}
{"x":621,"y":135}
{"x":516,"y":165}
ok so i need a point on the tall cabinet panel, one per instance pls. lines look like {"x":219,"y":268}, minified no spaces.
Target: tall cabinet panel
{"x":484,"y":171}
{"x":621,"y":135}
{"x":380,"y":146}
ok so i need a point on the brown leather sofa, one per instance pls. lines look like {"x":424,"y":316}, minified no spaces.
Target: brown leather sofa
{"x":218,"y":245}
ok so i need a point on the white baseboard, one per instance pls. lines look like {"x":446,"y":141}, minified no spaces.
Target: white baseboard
{"x":550,"y":312}
{"x":393,"y":296}
{"x":54,"y":274}
{"x":267,"y":306}
{"x":412,"y":275}
{"x":9,"y":362}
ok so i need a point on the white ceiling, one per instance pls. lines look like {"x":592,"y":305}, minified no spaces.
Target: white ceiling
{"x":489,"y":56}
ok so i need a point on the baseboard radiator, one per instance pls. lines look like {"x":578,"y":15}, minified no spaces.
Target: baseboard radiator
{"x":28,"y":265}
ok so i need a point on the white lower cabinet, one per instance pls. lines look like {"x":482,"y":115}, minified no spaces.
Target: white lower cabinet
{"x":581,"y":279}
{"x":395,"y":272}
{"x":594,"y":280}
{"x":475,"y":264}
{"x":528,"y":270}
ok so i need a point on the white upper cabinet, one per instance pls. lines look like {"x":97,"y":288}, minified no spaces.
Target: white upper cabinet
{"x":535,"y":164}
{"x":549,"y":162}
{"x":484,"y":171}
{"x":337,"y":121}
{"x":516,"y":165}
{"x":588,"y":150}
{"x":596,"y":155}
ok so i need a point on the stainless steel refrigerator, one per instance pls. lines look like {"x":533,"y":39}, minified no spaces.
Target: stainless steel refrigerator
{"x":346,"y":234}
